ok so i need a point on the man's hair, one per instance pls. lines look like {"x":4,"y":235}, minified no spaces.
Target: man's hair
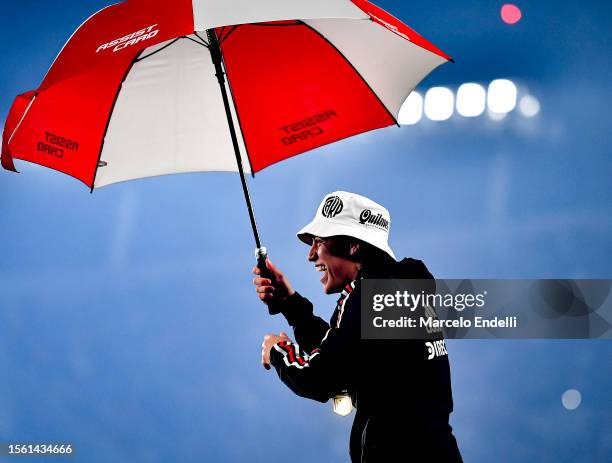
{"x":367,"y":255}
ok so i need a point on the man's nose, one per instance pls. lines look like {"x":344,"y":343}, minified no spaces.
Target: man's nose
{"x":312,"y":254}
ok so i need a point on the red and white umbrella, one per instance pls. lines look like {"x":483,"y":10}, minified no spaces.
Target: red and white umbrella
{"x":153,"y":87}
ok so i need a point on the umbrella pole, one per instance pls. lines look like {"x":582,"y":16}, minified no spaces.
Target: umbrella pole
{"x":261,"y":253}
{"x":215,"y":52}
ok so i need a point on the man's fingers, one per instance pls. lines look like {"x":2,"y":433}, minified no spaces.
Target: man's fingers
{"x":262,"y":281}
{"x":265,"y":289}
{"x":266,"y":345}
{"x":256,"y":271}
{"x":265,"y":293}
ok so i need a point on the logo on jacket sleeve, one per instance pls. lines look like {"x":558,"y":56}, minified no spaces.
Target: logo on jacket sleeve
{"x":332,"y":207}
{"x":436,"y":349}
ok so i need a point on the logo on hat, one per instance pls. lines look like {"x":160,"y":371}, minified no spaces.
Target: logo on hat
{"x":367,"y":217}
{"x":332,"y":207}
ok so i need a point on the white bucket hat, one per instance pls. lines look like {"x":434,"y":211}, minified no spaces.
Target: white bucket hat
{"x":350,"y":214}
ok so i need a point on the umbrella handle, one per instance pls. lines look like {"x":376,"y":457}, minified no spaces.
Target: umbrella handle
{"x":262,"y":254}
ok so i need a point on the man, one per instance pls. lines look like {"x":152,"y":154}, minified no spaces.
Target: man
{"x":402,"y":395}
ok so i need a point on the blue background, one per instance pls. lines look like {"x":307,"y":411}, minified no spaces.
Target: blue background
{"x":128,"y":322}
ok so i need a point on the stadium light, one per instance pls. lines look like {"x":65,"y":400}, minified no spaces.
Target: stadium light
{"x":529,"y":106}
{"x":439,"y":103}
{"x":501,"y":97}
{"x":497,"y":99}
{"x":471,"y":100}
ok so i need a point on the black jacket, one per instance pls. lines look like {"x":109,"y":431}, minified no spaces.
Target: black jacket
{"x":403,"y":400}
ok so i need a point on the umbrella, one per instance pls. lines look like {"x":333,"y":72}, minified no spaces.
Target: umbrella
{"x":153,"y":87}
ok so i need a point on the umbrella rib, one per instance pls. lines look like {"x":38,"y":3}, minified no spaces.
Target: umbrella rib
{"x":204,"y":42}
{"x":195,"y":41}
{"x":227,"y":35}
{"x":158,"y":50}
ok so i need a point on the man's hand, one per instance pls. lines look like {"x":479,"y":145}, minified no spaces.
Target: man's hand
{"x":266,"y":346}
{"x":266,"y":291}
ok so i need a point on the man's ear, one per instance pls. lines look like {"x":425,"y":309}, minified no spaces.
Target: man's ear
{"x":354,"y":249}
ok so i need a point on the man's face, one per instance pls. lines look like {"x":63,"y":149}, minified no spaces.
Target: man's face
{"x":337,"y":271}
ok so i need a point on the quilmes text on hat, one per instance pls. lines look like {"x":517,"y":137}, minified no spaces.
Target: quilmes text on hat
{"x":348,"y":214}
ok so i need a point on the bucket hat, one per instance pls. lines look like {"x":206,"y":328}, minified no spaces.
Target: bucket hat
{"x":348,"y":214}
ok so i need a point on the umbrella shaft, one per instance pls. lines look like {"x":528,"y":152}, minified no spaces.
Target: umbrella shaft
{"x":217,"y":57}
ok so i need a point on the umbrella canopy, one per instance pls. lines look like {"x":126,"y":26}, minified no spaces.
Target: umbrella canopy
{"x":135,"y":91}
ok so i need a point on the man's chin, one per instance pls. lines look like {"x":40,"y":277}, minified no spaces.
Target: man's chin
{"x":331,"y":290}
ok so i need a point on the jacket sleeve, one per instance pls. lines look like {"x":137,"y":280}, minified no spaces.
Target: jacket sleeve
{"x":308,"y":329}
{"x":327,"y":370}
